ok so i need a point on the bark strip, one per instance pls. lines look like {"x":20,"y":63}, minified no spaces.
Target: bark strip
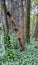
{"x":15,"y":27}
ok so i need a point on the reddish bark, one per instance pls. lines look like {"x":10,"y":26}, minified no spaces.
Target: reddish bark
{"x":15,"y":27}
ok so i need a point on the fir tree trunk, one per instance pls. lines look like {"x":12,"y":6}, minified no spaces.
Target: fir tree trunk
{"x":5,"y":25}
{"x":36,"y":29}
{"x":27,"y":21}
{"x":21,"y":21}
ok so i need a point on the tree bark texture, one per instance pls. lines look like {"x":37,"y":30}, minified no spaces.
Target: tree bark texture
{"x":15,"y":27}
{"x":21,"y":21}
{"x":27,"y":21}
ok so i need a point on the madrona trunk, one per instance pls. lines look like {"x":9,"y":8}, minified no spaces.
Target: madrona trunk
{"x":15,"y":28}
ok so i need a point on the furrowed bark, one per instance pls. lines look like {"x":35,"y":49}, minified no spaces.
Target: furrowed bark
{"x":21,"y":21}
{"x":15,"y":27}
{"x":4,"y":14}
{"x":28,"y":21}
{"x":5,"y":25}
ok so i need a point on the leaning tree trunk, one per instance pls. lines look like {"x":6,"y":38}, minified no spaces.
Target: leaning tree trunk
{"x":27,"y":21}
{"x":15,"y":28}
{"x":21,"y":22}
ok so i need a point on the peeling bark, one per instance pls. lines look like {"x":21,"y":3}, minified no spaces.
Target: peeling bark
{"x":15,"y":27}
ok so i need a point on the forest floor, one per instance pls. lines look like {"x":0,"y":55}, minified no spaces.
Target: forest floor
{"x":17,"y":57}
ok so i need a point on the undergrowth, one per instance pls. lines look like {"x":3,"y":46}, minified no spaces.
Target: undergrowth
{"x":14,"y":56}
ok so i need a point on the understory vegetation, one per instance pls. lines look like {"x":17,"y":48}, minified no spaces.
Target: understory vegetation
{"x":14,"y":56}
